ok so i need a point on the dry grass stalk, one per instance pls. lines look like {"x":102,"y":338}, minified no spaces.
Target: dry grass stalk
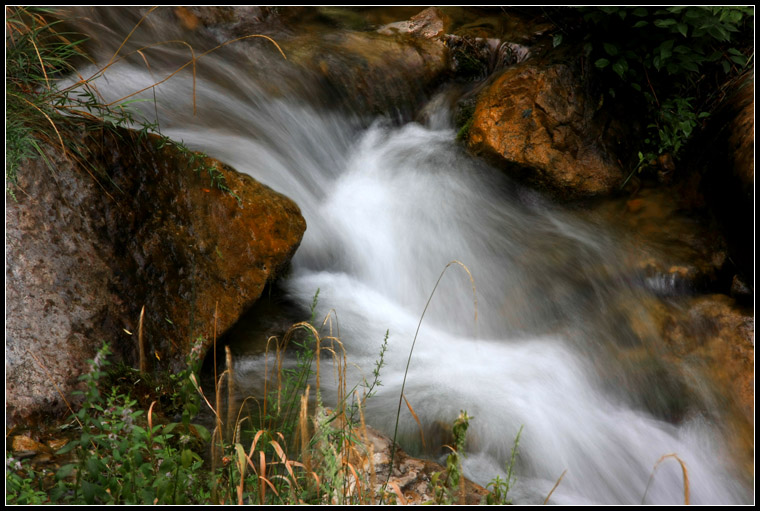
{"x":200,"y":391}
{"x":214,"y":495}
{"x":230,"y":390}
{"x":419,"y":424}
{"x":683,"y":470}
{"x":141,"y":343}
{"x":555,"y":486}
{"x":398,"y":492}
{"x":216,"y":310}
{"x":218,"y":407}
{"x":414,"y":341}
{"x":266,"y":371}
{"x":370,"y":455}
{"x":303,"y":429}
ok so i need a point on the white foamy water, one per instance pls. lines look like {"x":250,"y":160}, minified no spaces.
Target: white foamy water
{"x":387,"y":207}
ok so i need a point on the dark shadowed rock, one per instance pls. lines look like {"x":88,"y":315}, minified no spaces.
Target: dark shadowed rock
{"x":84,"y":255}
{"x":724,"y":154}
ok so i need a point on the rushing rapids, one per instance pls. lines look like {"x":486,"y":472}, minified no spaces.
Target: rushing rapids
{"x":389,"y":202}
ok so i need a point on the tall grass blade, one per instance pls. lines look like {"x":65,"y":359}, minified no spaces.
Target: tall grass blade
{"x":411,"y":350}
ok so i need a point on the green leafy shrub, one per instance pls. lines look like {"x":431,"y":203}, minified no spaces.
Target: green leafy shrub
{"x":672,"y":59}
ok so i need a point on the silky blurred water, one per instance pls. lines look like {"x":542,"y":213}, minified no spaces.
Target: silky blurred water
{"x":388,"y":205}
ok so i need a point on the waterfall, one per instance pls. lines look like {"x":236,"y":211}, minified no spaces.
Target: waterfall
{"x":388,"y":205}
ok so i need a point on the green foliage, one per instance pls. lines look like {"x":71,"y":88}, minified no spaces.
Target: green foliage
{"x":122,"y":460}
{"x":450,"y":489}
{"x":22,"y":486}
{"x":664,"y":56}
{"x":38,"y":55}
{"x":500,"y":487}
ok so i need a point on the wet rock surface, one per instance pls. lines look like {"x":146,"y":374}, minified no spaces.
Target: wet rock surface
{"x":85,"y":254}
{"x":673,"y":248}
{"x":712,"y":336}
{"x":539,"y":124}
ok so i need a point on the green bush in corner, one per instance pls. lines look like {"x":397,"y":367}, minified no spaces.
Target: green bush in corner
{"x":675,"y":60}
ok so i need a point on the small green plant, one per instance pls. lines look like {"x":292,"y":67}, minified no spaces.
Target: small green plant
{"x":22,"y":485}
{"x":451,"y":489}
{"x":122,"y":460}
{"x":499,"y":488}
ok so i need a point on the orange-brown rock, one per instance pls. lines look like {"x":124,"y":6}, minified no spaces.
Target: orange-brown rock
{"x":86,"y":251}
{"x":537,"y":122}
{"x":712,"y":339}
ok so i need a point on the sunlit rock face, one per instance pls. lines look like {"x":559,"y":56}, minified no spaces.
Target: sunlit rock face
{"x":539,"y":123}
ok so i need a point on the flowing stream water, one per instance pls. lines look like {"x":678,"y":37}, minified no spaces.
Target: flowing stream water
{"x":389,"y":202}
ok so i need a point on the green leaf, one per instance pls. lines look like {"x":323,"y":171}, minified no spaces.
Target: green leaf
{"x":66,"y":448}
{"x":739,"y":60}
{"x":735,"y":16}
{"x":640,"y":12}
{"x":94,"y":466}
{"x":65,"y":471}
{"x":556,"y":40}
{"x":726,"y":66}
{"x":90,"y":491}
{"x":719,"y":33}
{"x":640,"y":24}
{"x":620,"y":67}
{"x":683,"y":28}
{"x":147,"y":495}
{"x":186,"y":458}
{"x":664,"y":23}
{"x":602,"y":63}
{"x":611,"y":49}
{"x":202,"y":432}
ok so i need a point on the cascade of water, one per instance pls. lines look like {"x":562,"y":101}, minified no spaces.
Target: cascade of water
{"x":387,"y":207}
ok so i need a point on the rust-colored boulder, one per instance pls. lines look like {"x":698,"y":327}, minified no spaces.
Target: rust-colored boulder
{"x":711,"y":340}
{"x":539,"y":123}
{"x":86,"y":253}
